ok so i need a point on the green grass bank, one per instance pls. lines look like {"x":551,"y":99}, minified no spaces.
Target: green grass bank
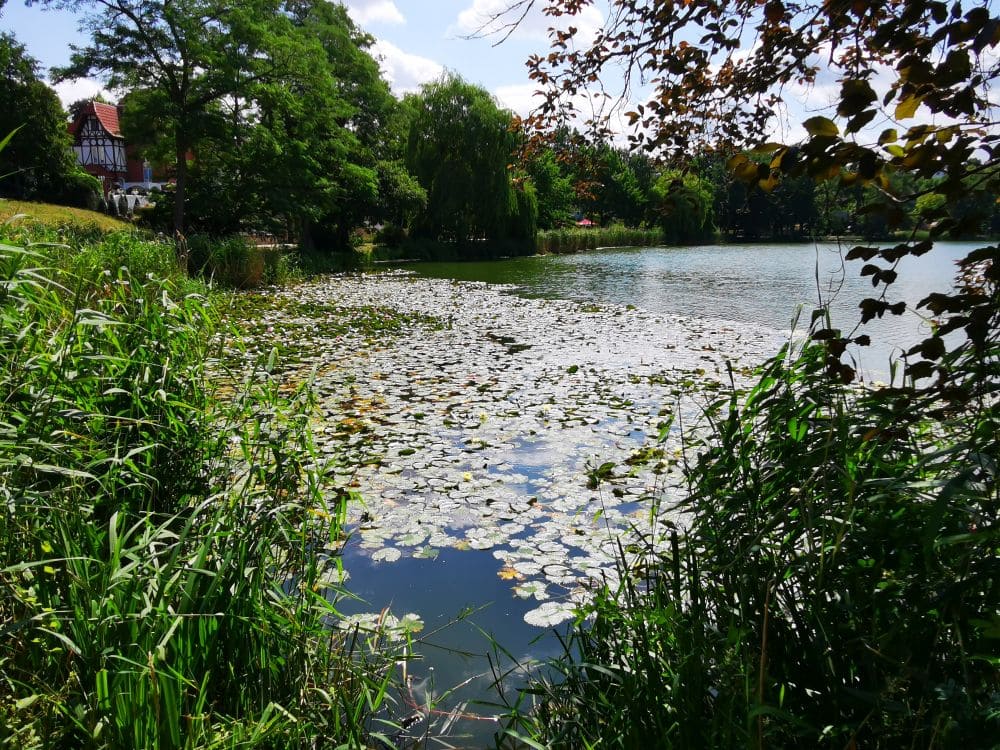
{"x":168,"y":567}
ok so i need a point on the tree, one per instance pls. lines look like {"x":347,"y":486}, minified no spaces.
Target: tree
{"x":556,"y":197}
{"x":459,"y":146}
{"x":609,"y":185}
{"x":683,"y":206}
{"x":74,"y":109}
{"x":358,"y":112}
{"x":38,"y":161}
{"x":286,"y":153}
{"x":185,"y":56}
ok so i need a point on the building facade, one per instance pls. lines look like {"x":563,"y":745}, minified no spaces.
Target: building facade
{"x":101,"y":150}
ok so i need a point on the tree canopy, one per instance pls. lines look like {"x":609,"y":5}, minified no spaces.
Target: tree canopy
{"x":37,"y":162}
{"x":459,"y":146}
{"x":271,"y":112}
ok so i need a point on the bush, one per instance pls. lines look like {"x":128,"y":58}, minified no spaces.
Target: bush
{"x":88,"y":251}
{"x":231,"y":261}
{"x":391,"y":235}
{"x":81,"y":190}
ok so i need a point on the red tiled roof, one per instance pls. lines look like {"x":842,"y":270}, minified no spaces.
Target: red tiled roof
{"x":107,"y":115}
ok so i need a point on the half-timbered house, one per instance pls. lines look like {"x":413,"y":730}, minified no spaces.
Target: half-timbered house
{"x":100,"y":148}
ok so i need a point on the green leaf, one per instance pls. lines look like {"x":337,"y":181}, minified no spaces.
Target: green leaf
{"x":855,"y":96}
{"x":821,"y":126}
{"x":9,"y":135}
{"x":887,"y":136}
{"x":908,"y":107}
{"x":25,"y":702}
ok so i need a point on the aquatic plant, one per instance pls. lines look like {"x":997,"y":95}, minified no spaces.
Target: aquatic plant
{"x":837,"y":585}
{"x":575,"y":240}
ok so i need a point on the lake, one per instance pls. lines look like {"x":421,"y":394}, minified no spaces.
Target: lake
{"x":755,"y":284}
{"x":476,"y":433}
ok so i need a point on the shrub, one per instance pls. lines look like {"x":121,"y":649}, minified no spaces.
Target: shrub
{"x":230,"y":261}
{"x":390,"y":234}
{"x":81,"y":190}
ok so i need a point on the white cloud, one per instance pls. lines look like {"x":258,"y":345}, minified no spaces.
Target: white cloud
{"x":518,"y":98}
{"x":80,"y":88}
{"x":523,"y":98}
{"x":405,"y":72}
{"x":482,"y":18}
{"x":365,"y":12}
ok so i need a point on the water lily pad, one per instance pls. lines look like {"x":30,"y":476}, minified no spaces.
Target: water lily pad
{"x":531,"y":589}
{"x":488,"y":450}
{"x":551,"y":614}
{"x":386,"y":554}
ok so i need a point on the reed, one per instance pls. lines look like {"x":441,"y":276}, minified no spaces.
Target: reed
{"x":576,"y":240}
{"x":169,"y":560}
{"x":837,"y":585}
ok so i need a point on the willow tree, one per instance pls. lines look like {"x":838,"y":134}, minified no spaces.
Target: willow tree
{"x":459,"y":146}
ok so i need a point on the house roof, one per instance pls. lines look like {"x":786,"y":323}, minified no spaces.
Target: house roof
{"x":107,"y":115}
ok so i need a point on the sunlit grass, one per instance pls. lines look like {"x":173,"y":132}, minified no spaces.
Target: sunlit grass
{"x":169,"y":559}
{"x":51,"y":215}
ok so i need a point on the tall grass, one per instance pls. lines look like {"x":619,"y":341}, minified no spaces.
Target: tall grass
{"x":575,"y":240}
{"x":236,"y":262}
{"x":168,"y":552}
{"x":838,"y":585}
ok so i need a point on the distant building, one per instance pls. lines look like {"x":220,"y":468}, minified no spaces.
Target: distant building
{"x":101,"y":150}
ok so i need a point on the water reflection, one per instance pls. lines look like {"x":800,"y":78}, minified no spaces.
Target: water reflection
{"x":450,"y":681}
{"x":759,"y":284}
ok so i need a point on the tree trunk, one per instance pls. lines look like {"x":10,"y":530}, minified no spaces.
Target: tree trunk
{"x":306,"y":239}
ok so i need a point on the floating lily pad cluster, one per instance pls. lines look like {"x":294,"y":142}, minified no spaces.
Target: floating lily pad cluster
{"x":480,"y":420}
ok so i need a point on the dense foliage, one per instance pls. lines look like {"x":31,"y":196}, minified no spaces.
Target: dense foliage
{"x":459,"y":146}
{"x":36,"y":163}
{"x":166,"y":566}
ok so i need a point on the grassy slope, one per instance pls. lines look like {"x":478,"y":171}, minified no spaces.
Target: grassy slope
{"x":50,"y":214}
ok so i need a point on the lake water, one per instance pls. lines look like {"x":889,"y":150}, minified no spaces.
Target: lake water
{"x":471,"y":441}
{"x":751,"y":284}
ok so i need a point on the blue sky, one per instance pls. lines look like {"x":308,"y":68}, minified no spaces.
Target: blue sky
{"x":417,"y":40}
